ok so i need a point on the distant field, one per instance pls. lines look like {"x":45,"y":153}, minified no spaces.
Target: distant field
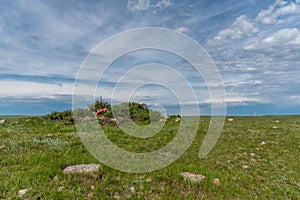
{"x":255,"y":158}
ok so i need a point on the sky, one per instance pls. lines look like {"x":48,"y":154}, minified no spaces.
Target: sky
{"x":254,"y":44}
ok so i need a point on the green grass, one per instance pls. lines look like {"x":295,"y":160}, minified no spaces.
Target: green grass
{"x":31,"y":159}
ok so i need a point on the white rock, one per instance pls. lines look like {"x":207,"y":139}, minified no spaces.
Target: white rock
{"x":217,"y":181}
{"x":131,"y":189}
{"x":230,"y":119}
{"x":177,"y":119}
{"x":84,"y":168}
{"x":263,"y":143}
{"x":188,"y":176}
{"x":2,"y":121}
{"x":61,"y":188}
{"x":252,"y":154}
{"x":22,"y":192}
{"x":245,"y":167}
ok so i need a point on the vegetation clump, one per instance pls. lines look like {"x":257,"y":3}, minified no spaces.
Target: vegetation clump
{"x":108,"y":114}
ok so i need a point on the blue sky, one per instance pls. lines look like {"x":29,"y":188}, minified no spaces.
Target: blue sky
{"x":255,"y":45}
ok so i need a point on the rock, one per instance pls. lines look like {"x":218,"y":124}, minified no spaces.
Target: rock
{"x":2,"y":121}
{"x":162,"y":120}
{"x":131,"y":189}
{"x":92,"y":187}
{"x":263,"y":143}
{"x":275,"y":127}
{"x":252,"y":154}
{"x":84,"y":168}
{"x":230,"y":119}
{"x":22,"y":192}
{"x":217,"y":181}
{"x":61,"y":188}
{"x":50,"y":135}
{"x":245,"y":167}
{"x":177,"y":119}
{"x":276,"y":121}
{"x":188,"y":176}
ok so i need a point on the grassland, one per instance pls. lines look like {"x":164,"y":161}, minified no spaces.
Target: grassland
{"x":255,"y":158}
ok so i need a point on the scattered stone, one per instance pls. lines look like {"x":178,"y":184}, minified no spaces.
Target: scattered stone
{"x":188,"y":176}
{"x":2,"y":121}
{"x":131,"y":189}
{"x":55,"y":179}
{"x":113,"y":119}
{"x":162,"y":120}
{"x":263,"y":143}
{"x":257,"y":148}
{"x":50,"y":135}
{"x":92,"y":187}
{"x":44,"y":123}
{"x":84,"y":168}
{"x":22,"y":192}
{"x":116,"y":196}
{"x":245,"y":167}
{"x":148,"y":180}
{"x":252,"y":154}
{"x":275,"y":127}
{"x":230,"y":119}
{"x":177,"y":119}
{"x":61,"y":188}
{"x":217,"y":181}
{"x":276,"y":121}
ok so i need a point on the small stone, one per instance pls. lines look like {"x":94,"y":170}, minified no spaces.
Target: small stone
{"x":61,"y":188}
{"x":276,"y":121}
{"x":84,"y":168}
{"x":263,"y":143}
{"x":22,"y":192}
{"x":50,"y":135}
{"x":245,"y":167}
{"x":230,"y":119}
{"x":217,"y":181}
{"x":257,"y":148}
{"x":92,"y":187}
{"x":252,"y":154}
{"x":2,"y":121}
{"x":116,"y":196}
{"x":188,"y":176}
{"x":131,"y":188}
{"x":275,"y":127}
{"x":148,"y":180}
{"x":177,"y":119}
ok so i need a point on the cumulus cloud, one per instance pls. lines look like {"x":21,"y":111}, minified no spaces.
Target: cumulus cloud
{"x":182,"y":29}
{"x":279,"y":9}
{"x":143,"y":5}
{"x":136,"y":5}
{"x":283,"y":44}
{"x":241,"y":28}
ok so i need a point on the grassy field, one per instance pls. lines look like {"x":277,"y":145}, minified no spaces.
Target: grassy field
{"x":255,"y":158}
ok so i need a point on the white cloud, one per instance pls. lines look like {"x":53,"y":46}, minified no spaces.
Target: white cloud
{"x":143,"y":5}
{"x":279,"y":9}
{"x":241,"y":28}
{"x":31,"y":89}
{"x":162,"y":4}
{"x":137,"y":5}
{"x":182,"y":29}
{"x":282,"y":41}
